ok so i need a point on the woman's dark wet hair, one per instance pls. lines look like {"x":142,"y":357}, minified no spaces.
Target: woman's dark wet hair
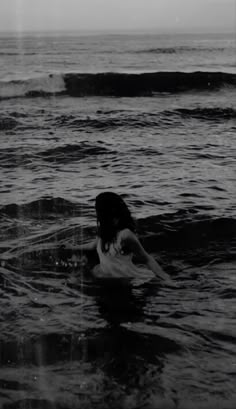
{"x":110,"y":206}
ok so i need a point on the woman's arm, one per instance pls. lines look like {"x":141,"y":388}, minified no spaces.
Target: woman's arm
{"x":67,"y":251}
{"x":131,"y":241}
{"x":156,"y":268}
{"x":78,"y":248}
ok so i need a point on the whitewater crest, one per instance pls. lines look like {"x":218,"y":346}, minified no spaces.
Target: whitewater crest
{"x":37,"y":86}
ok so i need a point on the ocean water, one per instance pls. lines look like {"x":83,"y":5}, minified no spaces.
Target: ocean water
{"x":153,"y":118}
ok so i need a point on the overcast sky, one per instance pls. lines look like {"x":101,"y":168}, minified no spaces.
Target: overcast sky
{"x":208,"y":15}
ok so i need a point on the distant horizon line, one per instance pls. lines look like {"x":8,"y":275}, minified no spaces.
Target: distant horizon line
{"x":193,"y":30}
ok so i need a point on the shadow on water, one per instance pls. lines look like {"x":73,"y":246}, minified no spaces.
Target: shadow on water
{"x":128,"y":364}
{"x":118,"y":302}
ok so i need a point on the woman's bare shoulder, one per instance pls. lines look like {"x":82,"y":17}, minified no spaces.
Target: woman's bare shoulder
{"x":127,"y":235}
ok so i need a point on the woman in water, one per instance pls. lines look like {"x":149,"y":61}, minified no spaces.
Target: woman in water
{"x":116,"y":243}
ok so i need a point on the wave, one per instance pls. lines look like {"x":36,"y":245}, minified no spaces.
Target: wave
{"x":3,"y":53}
{"x":118,"y":119}
{"x":68,"y":153}
{"x":178,"y":248}
{"x":200,"y":238}
{"x":106,"y":122}
{"x":11,"y":157}
{"x":32,"y":87}
{"x":177,"y":50}
{"x":189,"y":224}
{"x":115,"y":84}
{"x":144,"y":84}
{"x":7,"y":123}
{"x":42,"y":208}
{"x":204,"y":113}
{"x":171,"y":50}
{"x":185,"y":220}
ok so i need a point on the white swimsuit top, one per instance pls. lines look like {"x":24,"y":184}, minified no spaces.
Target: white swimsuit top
{"x":114,"y":263}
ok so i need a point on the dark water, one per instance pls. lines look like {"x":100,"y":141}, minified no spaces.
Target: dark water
{"x":166,"y":143}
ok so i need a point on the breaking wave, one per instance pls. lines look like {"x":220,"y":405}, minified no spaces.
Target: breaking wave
{"x":115,"y":84}
{"x":30,"y":87}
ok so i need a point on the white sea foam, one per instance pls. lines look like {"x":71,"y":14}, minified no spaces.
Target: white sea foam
{"x":51,"y":84}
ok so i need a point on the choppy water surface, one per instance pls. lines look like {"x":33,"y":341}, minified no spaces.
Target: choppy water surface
{"x":67,"y":341}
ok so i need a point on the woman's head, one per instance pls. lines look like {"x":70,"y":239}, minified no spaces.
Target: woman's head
{"x":113,"y":216}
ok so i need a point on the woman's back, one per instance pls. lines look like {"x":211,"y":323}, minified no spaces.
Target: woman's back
{"x":117,"y":262}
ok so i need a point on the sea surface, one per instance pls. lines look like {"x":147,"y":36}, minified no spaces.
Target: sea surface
{"x":151,"y":117}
